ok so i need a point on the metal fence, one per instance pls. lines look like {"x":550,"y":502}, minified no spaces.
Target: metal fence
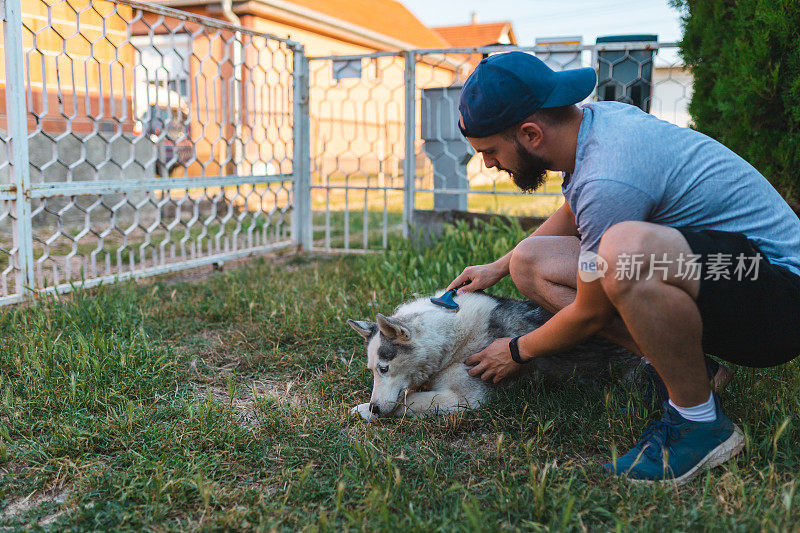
{"x":379,"y":118}
{"x":139,"y":139}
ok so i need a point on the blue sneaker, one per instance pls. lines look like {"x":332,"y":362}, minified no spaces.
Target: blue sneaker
{"x":675,"y":449}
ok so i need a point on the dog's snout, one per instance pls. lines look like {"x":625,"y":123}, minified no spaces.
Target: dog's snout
{"x":374,"y":408}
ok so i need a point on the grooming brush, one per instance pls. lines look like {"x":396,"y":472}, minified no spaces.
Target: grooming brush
{"x":446,"y":299}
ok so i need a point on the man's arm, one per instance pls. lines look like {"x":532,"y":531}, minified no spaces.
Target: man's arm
{"x":590,"y":312}
{"x":560,"y":223}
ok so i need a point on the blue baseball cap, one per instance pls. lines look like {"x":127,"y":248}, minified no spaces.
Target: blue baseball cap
{"x":506,"y":88}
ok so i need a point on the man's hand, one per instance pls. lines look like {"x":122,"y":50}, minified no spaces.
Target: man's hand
{"x":479,"y":277}
{"x":494,"y":363}
{"x":474,"y":278}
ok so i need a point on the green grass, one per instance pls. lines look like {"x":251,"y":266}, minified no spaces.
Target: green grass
{"x":482,"y":200}
{"x":224,"y":404}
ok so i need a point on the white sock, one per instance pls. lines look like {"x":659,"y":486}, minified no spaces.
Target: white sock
{"x":705,"y":412}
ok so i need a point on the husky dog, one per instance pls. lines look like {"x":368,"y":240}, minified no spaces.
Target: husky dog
{"x":417,"y":354}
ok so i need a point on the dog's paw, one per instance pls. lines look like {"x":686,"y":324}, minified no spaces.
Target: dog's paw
{"x":363,"y":411}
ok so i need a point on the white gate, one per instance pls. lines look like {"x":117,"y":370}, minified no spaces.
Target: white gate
{"x":141,"y":139}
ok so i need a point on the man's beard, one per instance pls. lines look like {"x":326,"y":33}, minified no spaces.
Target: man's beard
{"x":532,"y":170}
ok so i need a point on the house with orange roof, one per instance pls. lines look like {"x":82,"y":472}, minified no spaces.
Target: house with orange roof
{"x":54,"y":102}
{"x":325,"y":27}
{"x":476,"y":34}
{"x":194,"y":73}
{"x":357,"y":117}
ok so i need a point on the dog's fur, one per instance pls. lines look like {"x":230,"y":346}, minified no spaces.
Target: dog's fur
{"x":423,"y":346}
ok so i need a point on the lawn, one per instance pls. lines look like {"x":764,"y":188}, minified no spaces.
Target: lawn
{"x":223,"y":403}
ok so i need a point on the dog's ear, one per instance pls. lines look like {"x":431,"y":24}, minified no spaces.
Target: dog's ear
{"x":392,"y":329}
{"x":365,"y":328}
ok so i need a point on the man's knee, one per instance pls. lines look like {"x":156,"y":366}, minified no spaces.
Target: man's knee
{"x":538,"y":262}
{"x":525,"y":261}
{"x":630,"y":247}
{"x":630,"y":237}
{"x":630,"y":241}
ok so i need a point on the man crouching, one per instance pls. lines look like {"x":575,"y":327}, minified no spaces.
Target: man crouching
{"x":669,"y":244}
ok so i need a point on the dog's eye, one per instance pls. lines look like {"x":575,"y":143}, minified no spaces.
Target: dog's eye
{"x":383,"y":369}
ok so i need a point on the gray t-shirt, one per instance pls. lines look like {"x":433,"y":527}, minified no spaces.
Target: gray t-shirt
{"x":629,"y":165}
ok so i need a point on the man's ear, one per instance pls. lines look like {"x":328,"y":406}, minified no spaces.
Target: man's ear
{"x":531,"y":134}
{"x":365,"y":328}
{"x":392,"y":329}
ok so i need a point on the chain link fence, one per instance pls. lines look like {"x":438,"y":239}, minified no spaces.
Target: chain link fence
{"x":138,"y":139}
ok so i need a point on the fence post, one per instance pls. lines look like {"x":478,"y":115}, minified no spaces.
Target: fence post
{"x":301,"y":157}
{"x":16,"y":112}
{"x":410,"y":137}
{"x":595,"y":64}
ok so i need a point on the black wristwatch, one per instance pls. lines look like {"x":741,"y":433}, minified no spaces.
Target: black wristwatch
{"x":512,"y":346}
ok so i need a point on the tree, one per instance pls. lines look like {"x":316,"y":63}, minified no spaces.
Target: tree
{"x":745,"y":59}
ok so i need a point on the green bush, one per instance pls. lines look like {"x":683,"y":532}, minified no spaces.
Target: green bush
{"x":745,"y":57}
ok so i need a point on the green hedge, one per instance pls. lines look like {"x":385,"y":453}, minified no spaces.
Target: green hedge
{"x":745,"y":57}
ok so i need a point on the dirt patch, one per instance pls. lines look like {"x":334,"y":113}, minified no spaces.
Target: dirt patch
{"x":216,"y":353}
{"x":246,"y":396}
{"x":20,"y":506}
{"x":483,"y":444}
